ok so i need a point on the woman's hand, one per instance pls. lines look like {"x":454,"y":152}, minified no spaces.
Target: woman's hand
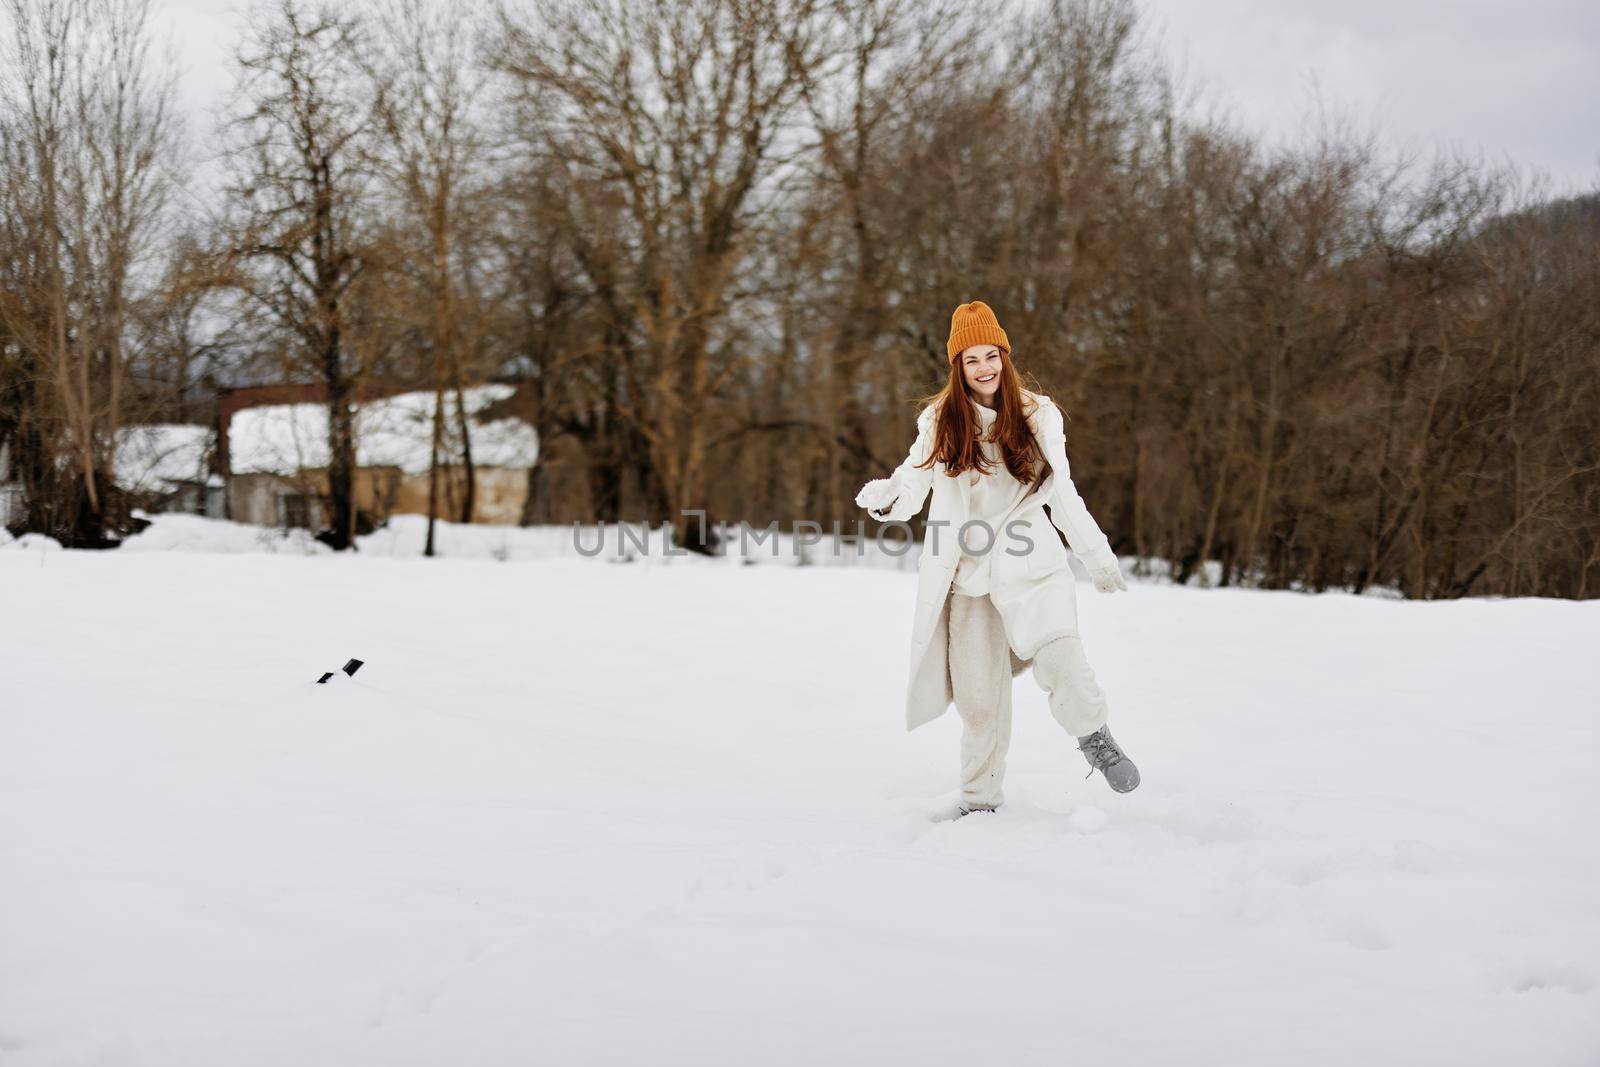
{"x":1108,"y":579}
{"x":877,"y":495}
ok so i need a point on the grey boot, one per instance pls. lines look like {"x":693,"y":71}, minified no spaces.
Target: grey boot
{"x":1106,"y":756}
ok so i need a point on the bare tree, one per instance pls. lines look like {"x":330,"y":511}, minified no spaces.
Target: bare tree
{"x":90,"y":157}
{"x":305,"y":119}
{"x":432,"y":159}
{"x":890,"y":56}
{"x":672,"y":114}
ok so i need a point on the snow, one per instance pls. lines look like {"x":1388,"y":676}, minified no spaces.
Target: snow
{"x":392,"y":432}
{"x":176,"y":532}
{"x":30,"y":542}
{"x":666,"y":812}
{"x":152,"y":456}
{"x":406,"y":535}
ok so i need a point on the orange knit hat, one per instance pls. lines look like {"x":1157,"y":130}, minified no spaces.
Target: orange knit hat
{"x":974,"y":324}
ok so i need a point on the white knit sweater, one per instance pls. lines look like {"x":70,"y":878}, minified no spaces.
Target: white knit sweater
{"x":993,"y":497}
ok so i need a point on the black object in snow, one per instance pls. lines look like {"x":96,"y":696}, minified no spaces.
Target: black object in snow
{"x":349,"y":668}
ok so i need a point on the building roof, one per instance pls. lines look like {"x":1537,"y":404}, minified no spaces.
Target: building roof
{"x":155,"y":457}
{"x":395,"y":431}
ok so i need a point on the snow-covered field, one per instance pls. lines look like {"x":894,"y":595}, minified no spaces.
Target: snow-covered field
{"x":665,"y":812}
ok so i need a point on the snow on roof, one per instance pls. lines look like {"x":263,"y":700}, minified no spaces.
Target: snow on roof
{"x":396,"y":431}
{"x":150,"y":458}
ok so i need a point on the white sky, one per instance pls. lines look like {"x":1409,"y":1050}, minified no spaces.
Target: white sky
{"x":1512,"y":80}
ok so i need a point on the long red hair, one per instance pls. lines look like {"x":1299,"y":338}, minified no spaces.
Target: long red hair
{"x":956,"y":427}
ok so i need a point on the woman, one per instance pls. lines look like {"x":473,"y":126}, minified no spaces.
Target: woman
{"x":995,"y":591}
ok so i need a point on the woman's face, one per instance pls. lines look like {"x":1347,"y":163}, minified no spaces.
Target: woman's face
{"x":981,"y":365}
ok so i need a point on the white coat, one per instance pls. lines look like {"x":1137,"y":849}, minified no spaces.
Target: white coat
{"x":1033,"y":589}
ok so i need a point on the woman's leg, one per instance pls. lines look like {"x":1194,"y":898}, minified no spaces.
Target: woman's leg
{"x":1079,"y":705}
{"x":980,"y":679}
{"x":1062,"y":670}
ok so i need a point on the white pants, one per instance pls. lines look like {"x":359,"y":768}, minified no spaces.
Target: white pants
{"x":981,"y":668}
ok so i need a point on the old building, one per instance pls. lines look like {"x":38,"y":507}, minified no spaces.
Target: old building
{"x":168,"y":467}
{"x":272,"y":442}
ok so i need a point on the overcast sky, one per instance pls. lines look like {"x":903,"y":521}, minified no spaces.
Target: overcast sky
{"x":1517,"y":79}
{"x":1513,"y":79}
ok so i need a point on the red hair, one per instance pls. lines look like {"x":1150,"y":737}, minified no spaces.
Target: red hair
{"x":956,"y":427}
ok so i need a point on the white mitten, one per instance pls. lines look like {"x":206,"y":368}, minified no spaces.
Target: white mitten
{"x":1108,"y":579}
{"x":877,"y":494}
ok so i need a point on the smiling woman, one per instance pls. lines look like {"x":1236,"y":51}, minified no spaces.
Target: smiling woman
{"x":994,"y":582}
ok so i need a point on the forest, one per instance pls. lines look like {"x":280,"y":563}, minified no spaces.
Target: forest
{"x":715,"y":244}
